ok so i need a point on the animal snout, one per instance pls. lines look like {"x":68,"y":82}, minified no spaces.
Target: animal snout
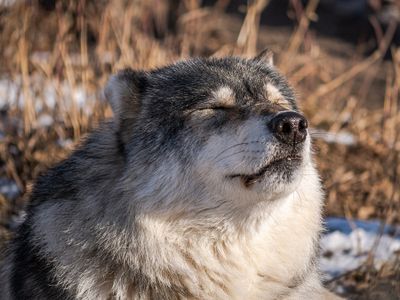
{"x":289,"y":127}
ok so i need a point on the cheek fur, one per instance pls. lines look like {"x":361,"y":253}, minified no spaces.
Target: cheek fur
{"x":244,"y":147}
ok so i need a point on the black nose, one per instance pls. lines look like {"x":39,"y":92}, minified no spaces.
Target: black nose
{"x":289,"y":127}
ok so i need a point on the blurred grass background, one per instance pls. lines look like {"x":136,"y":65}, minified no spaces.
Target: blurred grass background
{"x":56,"y":56}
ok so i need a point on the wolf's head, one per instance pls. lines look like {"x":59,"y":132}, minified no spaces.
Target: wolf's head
{"x":206,"y":132}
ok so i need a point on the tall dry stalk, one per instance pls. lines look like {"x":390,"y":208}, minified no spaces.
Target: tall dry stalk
{"x":358,"y":68}
{"x":29,"y":116}
{"x":248,"y":35}
{"x":298,"y":37}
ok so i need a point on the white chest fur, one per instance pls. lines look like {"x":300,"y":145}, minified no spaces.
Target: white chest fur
{"x":261,"y":260}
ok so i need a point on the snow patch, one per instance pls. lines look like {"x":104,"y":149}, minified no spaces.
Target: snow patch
{"x":45,"y":93}
{"x":9,"y":189}
{"x":342,"y":252}
{"x":341,"y":137}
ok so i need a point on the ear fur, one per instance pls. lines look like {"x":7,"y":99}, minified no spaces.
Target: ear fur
{"x":123,"y":91}
{"x":266,"y":56}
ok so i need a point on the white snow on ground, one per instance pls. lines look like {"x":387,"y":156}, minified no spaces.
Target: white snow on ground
{"x":45,"y":92}
{"x":6,"y":3}
{"x":341,"y":137}
{"x":8,"y":92}
{"x":9,"y":189}
{"x":45,"y":120}
{"x":344,"y":252}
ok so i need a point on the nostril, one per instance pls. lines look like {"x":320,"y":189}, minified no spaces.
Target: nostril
{"x":303,"y":125}
{"x":286,"y":128}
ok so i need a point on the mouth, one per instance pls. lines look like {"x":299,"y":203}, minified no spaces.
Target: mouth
{"x":281,"y":164}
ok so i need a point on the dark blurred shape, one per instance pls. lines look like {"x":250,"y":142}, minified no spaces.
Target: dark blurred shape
{"x":345,"y":226}
{"x":48,"y":5}
{"x":349,"y":20}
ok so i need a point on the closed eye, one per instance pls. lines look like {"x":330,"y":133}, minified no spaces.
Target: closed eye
{"x":210,"y":109}
{"x":215,"y":108}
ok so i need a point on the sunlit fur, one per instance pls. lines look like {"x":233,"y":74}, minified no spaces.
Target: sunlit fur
{"x":152,"y":205}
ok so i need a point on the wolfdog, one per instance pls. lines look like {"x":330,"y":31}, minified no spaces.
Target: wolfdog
{"x":202,"y":186}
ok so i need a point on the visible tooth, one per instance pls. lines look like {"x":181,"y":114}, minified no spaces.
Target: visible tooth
{"x":289,"y":158}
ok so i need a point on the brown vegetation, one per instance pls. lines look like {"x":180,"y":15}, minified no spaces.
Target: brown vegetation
{"x":75,"y":45}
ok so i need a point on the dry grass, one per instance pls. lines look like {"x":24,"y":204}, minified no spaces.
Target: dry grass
{"x":75,"y":46}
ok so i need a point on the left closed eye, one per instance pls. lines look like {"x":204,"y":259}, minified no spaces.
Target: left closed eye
{"x":210,"y":110}
{"x":215,"y":108}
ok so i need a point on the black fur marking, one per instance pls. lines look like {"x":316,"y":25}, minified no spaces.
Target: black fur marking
{"x":121,"y":145}
{"x":32,"y":274}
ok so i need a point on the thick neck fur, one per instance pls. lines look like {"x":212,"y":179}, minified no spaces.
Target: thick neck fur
{"x":146,"y":252}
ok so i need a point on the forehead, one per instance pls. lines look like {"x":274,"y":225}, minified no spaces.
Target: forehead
{"x":234,"y":80}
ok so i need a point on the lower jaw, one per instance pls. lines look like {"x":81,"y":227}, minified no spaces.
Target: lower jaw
{"x":250,"y":180}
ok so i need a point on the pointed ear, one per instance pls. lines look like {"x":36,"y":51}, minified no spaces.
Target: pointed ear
{"x":123,"y":91}
{"x":266,"y":56}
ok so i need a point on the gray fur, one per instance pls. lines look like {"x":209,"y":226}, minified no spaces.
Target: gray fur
{"x":144,"y":209}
